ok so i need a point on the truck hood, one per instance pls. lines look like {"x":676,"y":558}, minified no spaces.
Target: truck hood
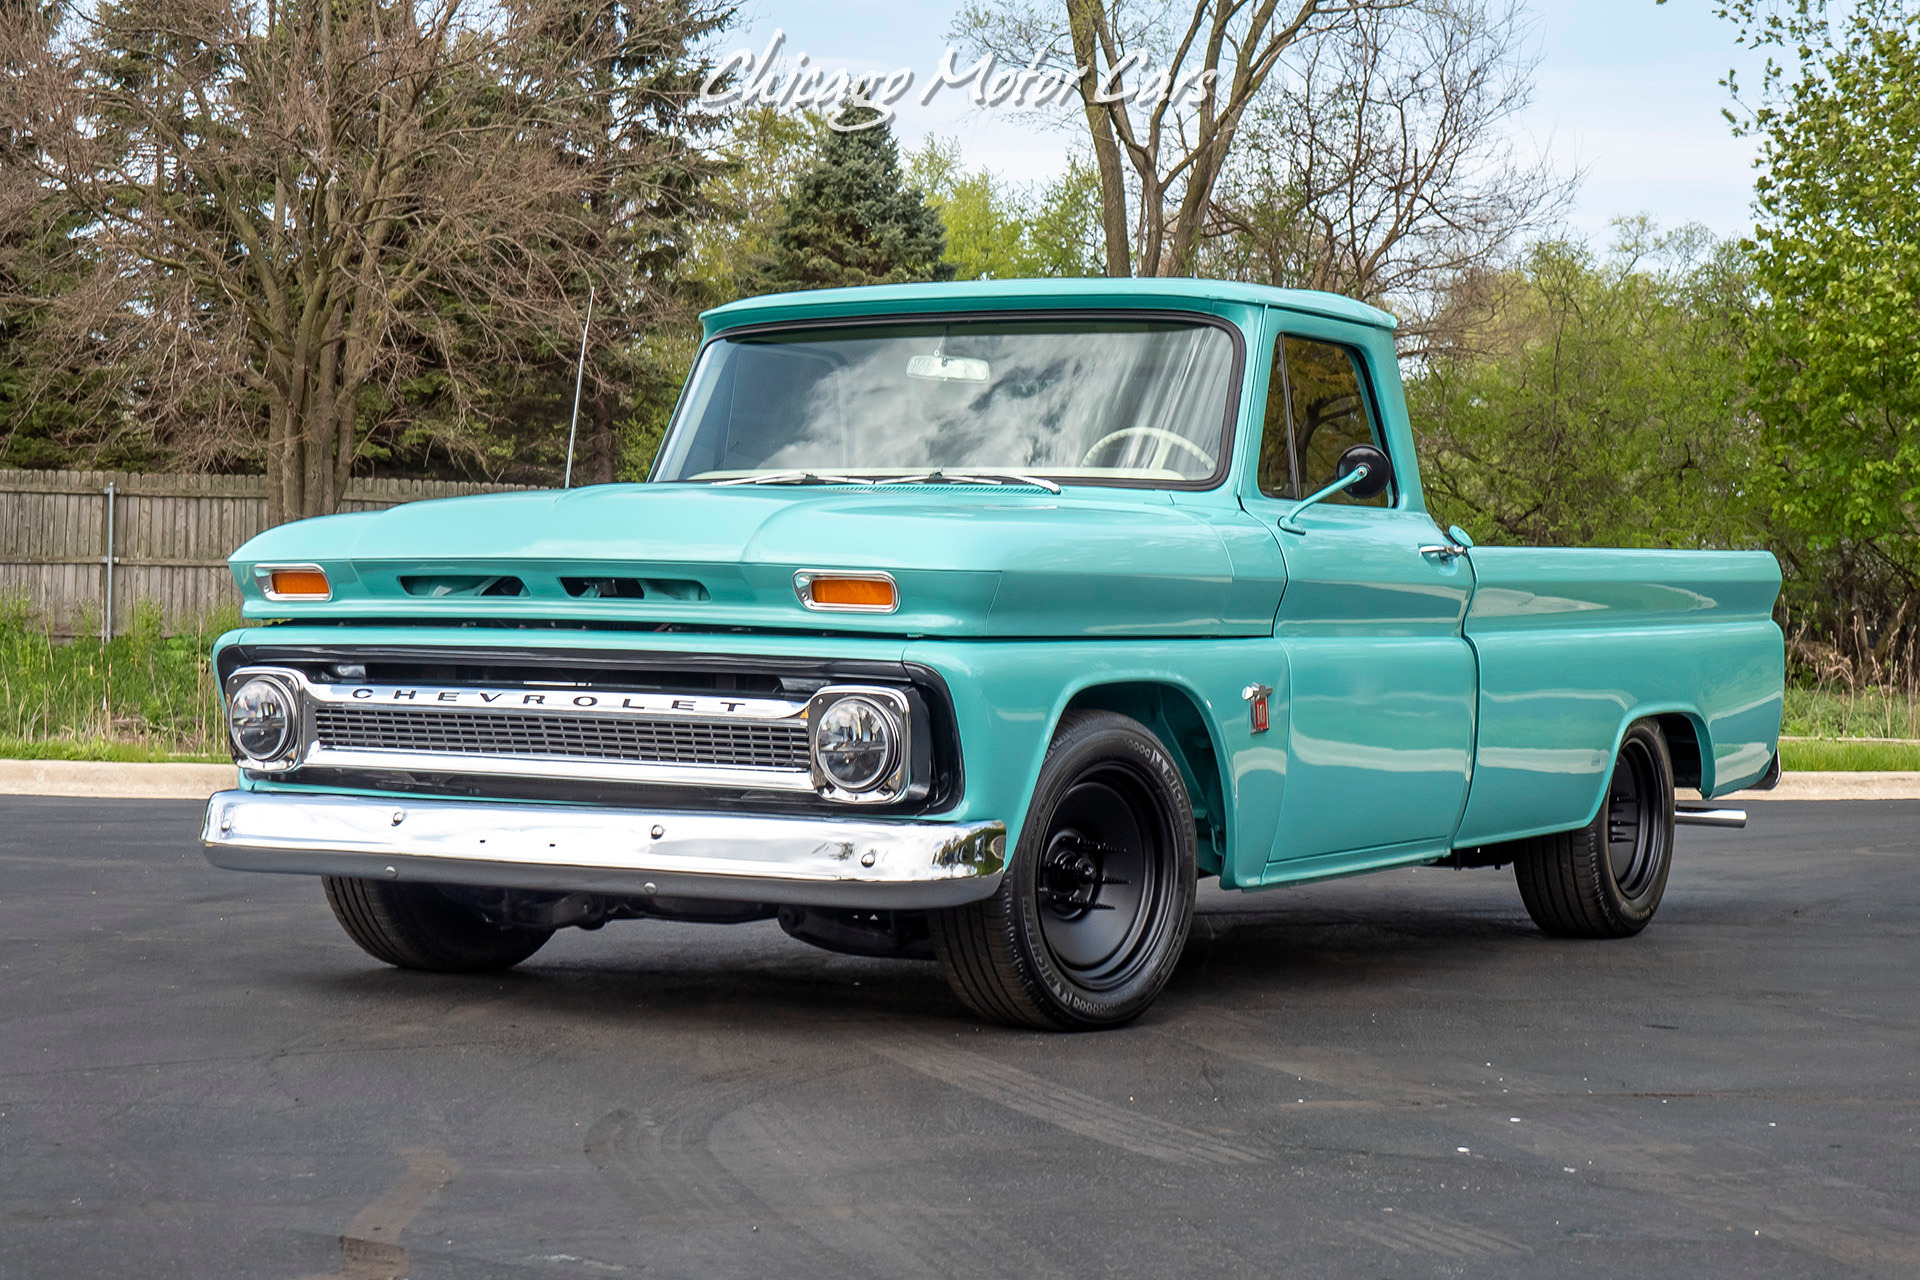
{"x":970,"y":561}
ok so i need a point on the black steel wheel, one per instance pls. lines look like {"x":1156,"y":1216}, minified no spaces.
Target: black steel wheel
{"x":1091,"y":916}
{"x":415,"y":926}
{"x":1606,"y":879}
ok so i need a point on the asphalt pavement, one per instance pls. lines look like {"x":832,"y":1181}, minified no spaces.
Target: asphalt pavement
{"x":1388,"y":1076}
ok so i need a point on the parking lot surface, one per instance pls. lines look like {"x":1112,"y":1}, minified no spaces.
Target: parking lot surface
{"x":1390,"y":1076}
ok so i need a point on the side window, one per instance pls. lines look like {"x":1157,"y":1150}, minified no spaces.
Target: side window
{"x":1276,"y":442}
{"x":1320,"y":388}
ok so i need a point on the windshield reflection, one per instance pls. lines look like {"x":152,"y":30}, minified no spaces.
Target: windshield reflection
{"x":1141,"y":401}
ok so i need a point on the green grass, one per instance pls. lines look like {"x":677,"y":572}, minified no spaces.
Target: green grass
{"x":1833,"y":720}
{"x":1837,"y":713}
{"x":100,"y":749}
{"x":1839,"y":755}
{"x":144,"y":695}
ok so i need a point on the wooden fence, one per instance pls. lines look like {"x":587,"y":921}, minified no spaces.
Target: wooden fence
{"x":170,"y":538}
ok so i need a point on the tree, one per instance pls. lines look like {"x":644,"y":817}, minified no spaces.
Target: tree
{"x":1158,"y":157}
{"x":1381,"y":165}
{"x":850,"y":221}
{"x":999,"y":231}
{"x":1836,"y":372}
{"x":42,"y":377}
{"x":40,"y":255}
{"x":647,"y":187}
{"x":765,"y":153}
{"x":314,"y":224}
{"x":1064,"y":224}
{"x":1600,"y":403}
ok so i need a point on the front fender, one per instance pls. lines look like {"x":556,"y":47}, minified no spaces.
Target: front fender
{"x":1009,"y":697}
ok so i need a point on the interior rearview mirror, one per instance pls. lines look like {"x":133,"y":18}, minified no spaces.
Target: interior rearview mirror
{"x":1379,"y":471}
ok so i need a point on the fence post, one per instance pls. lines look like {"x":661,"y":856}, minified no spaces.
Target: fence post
{"x":106,"y":620}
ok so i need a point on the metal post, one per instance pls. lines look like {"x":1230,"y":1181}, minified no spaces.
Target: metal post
{"x":106,"y":621}
{"x":579,"y":376}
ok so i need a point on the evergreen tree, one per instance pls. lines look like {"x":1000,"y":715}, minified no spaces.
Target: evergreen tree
{"x":851,"y":221}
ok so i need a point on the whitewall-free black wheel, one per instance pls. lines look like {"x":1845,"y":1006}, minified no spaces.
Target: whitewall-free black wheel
{"x":1091,"y":916}
{"x":1606,"y":879}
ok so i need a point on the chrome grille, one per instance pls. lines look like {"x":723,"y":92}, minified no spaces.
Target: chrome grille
{"x":738,"y":745}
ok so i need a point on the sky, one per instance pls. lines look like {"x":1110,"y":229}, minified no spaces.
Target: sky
{"x":1625,"y":90}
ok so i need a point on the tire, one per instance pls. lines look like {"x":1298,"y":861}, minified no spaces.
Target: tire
{"x":1093,"y":911}
{"x":415,"y":926}
{"x":1606,"y":879}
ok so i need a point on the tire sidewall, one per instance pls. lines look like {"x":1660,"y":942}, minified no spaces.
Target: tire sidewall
{"x":1637,"y":912}
{"x":415,"y":926}
{"x":1103,"y":739}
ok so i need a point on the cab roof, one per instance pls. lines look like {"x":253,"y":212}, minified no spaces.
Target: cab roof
{"x":1094,"y":291}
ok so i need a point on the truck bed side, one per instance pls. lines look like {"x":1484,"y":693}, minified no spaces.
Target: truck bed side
{"x":1573,"y":645}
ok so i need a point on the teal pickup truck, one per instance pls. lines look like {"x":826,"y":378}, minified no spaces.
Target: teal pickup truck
{"x":978,"y":622}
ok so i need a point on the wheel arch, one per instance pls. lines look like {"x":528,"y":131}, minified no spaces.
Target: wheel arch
{"x":1686,"y":743}
{"x":1689,"y":746}
{"x":1178,"y":717}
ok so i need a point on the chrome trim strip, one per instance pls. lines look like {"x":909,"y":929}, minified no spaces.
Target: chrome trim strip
{"x":587,"y":768}
{"x":798,"y":861}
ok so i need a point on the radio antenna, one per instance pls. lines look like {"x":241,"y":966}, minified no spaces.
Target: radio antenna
{"x":579,"y":376}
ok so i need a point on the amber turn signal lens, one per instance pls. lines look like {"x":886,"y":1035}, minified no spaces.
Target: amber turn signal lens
{"x":865,"y":593}
{"x":299,"y":584}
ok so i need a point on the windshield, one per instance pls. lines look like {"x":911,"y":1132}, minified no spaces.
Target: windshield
{"x":1081,"y":400}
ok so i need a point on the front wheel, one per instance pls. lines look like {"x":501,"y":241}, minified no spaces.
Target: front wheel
{"x":1093,"y":911}
{"x":1606,"y":879}
{"x":415,"y":926}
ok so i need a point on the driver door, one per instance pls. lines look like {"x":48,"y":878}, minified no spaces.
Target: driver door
{"x":1381,"y":681}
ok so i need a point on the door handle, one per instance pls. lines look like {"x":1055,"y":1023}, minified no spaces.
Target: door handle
{"x":1444,"y":550}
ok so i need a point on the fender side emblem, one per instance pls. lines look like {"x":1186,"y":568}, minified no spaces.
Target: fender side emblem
{"x":1256,"y":696}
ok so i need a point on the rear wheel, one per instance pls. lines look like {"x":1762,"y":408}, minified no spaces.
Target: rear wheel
{"x":1093,"y":911}
{"x":415,"y":926}
{"x":1606,"y":879}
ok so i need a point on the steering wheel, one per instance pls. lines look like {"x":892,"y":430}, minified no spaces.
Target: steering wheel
{"x":1169,"y":440}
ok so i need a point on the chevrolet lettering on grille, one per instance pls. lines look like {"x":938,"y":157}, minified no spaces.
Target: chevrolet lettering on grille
{"x":563,"y":700}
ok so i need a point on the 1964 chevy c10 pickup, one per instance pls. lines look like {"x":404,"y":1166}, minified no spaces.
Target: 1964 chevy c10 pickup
{"x":978,"y":622}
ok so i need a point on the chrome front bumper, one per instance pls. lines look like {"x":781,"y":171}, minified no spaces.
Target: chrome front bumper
{"x":800,"y":861}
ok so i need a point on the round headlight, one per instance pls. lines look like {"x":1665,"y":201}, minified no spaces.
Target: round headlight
{"x":856,"y":743}
{"x":260,"y":719}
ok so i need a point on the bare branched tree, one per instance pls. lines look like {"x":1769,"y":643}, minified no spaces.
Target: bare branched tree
{"x":1381,"y":164}
{"x":303,"y":215}
{"x":1159,"y":155}
{"x":36,"y":246}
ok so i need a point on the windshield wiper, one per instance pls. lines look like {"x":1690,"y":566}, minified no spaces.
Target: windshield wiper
{"x":925,"y":477}
{"x":974,"y":477}
{"x":795,"y":477}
